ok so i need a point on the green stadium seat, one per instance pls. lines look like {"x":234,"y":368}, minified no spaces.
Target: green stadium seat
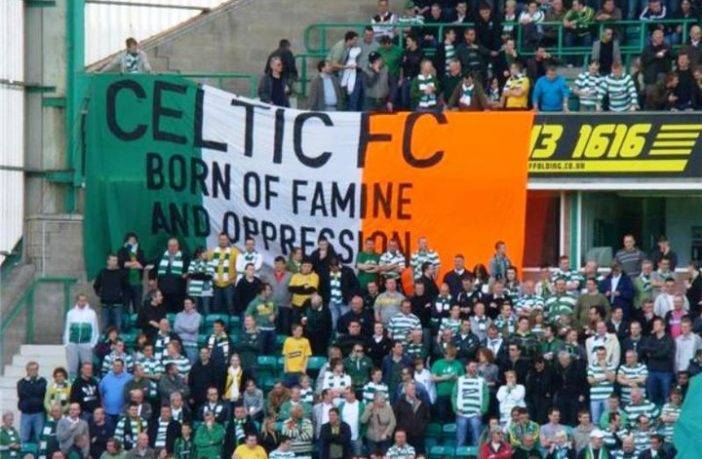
{"x":202,"y":340}
{"x":466,"y":451}
{"x":316,"y":363}
{"x":430,"y":442}
{"x":129,"y":338}
{"x":267,"y":382}
{"x":171,"y":318}
{"x":438,"y":451}
{"x":234,"y":322}
{"x":433,"y":430}
{"x":29,"y":448}
{"x":210,"y":319}
{"x":448,"y":430}
{"x":279,"y":340}
{"x":127,"y":323}
{"x":267,"y":363}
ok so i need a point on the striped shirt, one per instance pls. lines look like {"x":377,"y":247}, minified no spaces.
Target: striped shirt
{"x":560,"y":305}
{"x":160,"y":345}
{"x":307,"y":395}
{"x":335,"y":296}
{"x":470,"y":395}
{"x":646,"y":408}
{"x":448,"y":323}
{"x":401,"y":452}
{"x":601,"y":389}
{"x":111,"y":357}
{"x":334,"y":381}
{"x":160,"y":440}
{"x":200,"y":287}
{"x":151,"y":365}
{"x":640,"y":370}
{"x":642,"y":438}
{"x":48,"y":438}
{"x":128,"y":429}
{"x":611,"y":439}
{"x":401,"y":325}
{"x":621,"y":92}
{"x":389,"y":258}
{"x":419,"y":258}
{"x":181,"y":362}
{"x":588,"y":87}
{"x":449,"y":53}
{"x":424,"y":82}
{"x":526,"y":303}
{"x":371,"y":388}
{"x":668,"y":428}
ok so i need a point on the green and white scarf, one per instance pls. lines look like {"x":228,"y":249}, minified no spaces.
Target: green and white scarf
{"x":426,"y":100}
{"x":174,"y":267}
{"x":335,"y":288}
{"x":466,"y":94}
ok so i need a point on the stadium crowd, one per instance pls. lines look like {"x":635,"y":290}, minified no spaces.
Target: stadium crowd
{"x":221,"y":356}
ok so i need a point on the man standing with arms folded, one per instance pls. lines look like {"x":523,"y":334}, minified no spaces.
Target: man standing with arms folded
{"x":30,"y":392}
{"x":424,"y":255}
{"x":80,"y":335}
{"x":223,"y":259}
{"x":470,"y":399}
{"x":111,"y":285}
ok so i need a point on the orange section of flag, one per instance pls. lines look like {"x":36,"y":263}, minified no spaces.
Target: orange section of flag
{"x":460,"y":179}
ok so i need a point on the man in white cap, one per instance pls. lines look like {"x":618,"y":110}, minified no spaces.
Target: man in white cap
{"x":595,"y":450}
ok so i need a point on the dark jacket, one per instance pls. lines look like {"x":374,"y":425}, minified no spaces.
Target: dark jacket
{"x":467,"y":346}
{"x":455,"y":281}
{"x":570,"y":382}
{"x":539,"y":385}
{"x":110,"y":285}
{"x":660,"y":353}
{"x":124,"y":255}
{"x":412,"y":421}
{"x":30,"y":393}
{"x":99,"y":436}
{"x":342,"y":438}
{"x":266,"y":90}
{"x":170,"y":283}
{"x":478,"y":102}
{"x":86,"y":394}
{"x":473,"y":58}
{"x":626,"y":293}
{"x":694,"y":295}
{"x":378,"y":350}
{"x":172,"y":432}
{"x":365,"y":318}
{"x":289,"y":65}
{"x":654,"y":67}
{"x":149,"y":313}
{"x":316,"y":97}
{"x":349,"y":286}
{"x":201,"y":377}
{"x":489,"y":32}
{"x":230,"y":440}
{"x":246,"y":291}
{"x":422,"y":307}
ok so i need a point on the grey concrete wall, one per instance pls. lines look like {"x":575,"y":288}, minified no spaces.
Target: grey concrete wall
{"x":239,"y":36}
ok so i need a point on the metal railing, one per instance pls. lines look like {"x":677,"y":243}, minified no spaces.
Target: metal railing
{"x":26,"y":303}
{"x":316,"y":36}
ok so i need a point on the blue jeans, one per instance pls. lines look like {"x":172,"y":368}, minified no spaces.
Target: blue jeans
{"x":337,"y":310}
{"x":463,"y":424}
{"x":133,"y":297}
{"x":112,"y":315}
{"x":357,"y":96}
{"x":268,"y":342}
{"x":191,"y":353}
{"x":223,"y":300}
{"x":597,"y":407}
{"x":31,"y":426}
{"x":203,"y":305}
{"x":658,"y":386}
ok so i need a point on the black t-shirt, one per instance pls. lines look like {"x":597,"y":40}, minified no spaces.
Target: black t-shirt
{"x":278,"y":91}
{"x":411,"y":61}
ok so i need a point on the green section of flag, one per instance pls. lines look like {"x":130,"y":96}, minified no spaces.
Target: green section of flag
{"x":688,"y":429}
{"x":129,"y":120}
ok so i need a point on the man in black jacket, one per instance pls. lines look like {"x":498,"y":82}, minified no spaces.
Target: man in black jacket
{"x":569,"y":387}
{"x":101,"y":429}
{"x":239,"y":427}
{"x":339,"y":287}
{"x":30,"y":392}
{"x":454,"y":278}
{"x":110,"y":285}
{"x":412,"y":416}
{"x":659,"y":350}
{"x":357,"y":314}
{"x":205,"y":373}
{"x":85,"y":392}
{"x":335,"y":432}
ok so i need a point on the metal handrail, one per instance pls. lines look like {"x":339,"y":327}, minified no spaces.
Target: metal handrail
{"x":26,"y":302}
{"x":320,"y":30}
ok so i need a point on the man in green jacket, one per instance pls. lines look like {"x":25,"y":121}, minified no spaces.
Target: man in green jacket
{"x":578,"y":23}
{"x":209,"y":438}
{"x":358,"y":366}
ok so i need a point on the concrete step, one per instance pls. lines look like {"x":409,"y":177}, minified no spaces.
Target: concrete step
{"x":50,"y":361}
{"x":45,"y":350}
{"x":7,"y":384}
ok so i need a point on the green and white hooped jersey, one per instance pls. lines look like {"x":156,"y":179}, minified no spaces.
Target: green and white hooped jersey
{"x":600,"y":390}
{"x":469,"y":395}
{"x":631,"y":372}
{"x":371,"y":388}
{"x":419,"y":258}
{"x":424,"y":82}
